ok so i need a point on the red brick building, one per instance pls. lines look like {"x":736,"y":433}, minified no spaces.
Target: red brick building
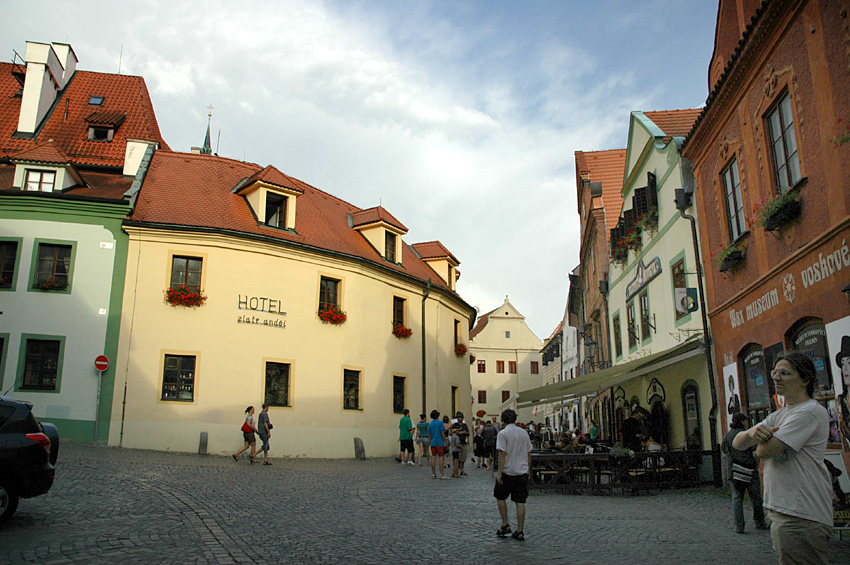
{"x":771,"y":174}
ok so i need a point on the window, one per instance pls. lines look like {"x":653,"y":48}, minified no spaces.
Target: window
{"x":8,"y":260}
{"x":691,"y":412}
{"x":512,"y":367}
{"x":454,"y":400}
{"x":755,"y":393}
{"x":631,"y":327}
{"x":457,"y":332}
{"x":482,"y":366}
{"x":482,"y":397}
{"x":328,"y":293}
{"x":500,"y":366}
{"x":100,"y":133}
{"x":178,"y":378}
{"x":398,"y":395}
{"x":618,"y":339}
{"x":786,"y":161}
{"x":42,"y":181}
{"x":275,"y":210}
{"x":506,"y":395}
{"x":351,"y":390}
{"x":535,"y":368}
{"x":389,"y":246}
{"x":734,"y":203}
{"x":54,"y":264}
{"x":95,"y":100}
{"x":398,"y":310}
{"x":679,"y":281}
{"x":277,"y":384}
{"x":186,"y":271}
{"x":41,"y":368}
{"x":507,"y":335}
{"x":644,"y":315}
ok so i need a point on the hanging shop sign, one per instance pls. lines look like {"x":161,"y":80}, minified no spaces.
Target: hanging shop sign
{"x":644,"y":274}
{"x":260,"y":311}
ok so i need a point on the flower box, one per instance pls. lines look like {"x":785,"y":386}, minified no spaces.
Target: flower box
{"x":53,"y":283}
{"x":782,"y":215}
{"x":460,"y":350}
{"x":732,"y":260}
{"x":186,"y":296}
{"x":332,"y":315}
{"x":400,"y":331}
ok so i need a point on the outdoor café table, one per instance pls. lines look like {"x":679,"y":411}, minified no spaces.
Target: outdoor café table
{"x":568,"y":471}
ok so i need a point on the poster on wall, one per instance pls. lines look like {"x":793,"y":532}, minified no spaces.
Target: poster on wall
{"x":733,"y":399}
{"x":838,"y":343}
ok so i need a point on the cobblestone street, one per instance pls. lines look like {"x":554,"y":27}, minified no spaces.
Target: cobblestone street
{"x":111,"y":505}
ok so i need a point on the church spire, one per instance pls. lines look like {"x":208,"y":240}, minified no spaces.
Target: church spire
{"x":207,"y":148}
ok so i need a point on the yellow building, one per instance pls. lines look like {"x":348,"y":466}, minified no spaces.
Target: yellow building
{"x":507,"y":361}
{"x":245,"y":285}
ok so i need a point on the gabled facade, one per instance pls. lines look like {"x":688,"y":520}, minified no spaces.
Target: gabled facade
{"x":771,"y":165}
{"x":652,"y":257}
{"x":507,"y":361}
{"x":65,"y":138}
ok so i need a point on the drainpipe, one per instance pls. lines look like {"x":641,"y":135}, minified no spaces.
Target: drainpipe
{"x":424,"y":371}
{"x":683,"y":200}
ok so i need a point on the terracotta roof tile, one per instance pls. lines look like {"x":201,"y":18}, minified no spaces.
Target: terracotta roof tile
{"x":674,"y":123}
{"x":99,"y":185}
{"x":66,"y":123}
{"x":272,"y":175}
{"x":434,"y":250}
{"x":186,"y":189}
{"x":376,"y":214}
{"x":44,"y":153}
{"x":607,"y":167}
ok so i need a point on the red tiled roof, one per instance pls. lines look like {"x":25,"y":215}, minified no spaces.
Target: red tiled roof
{"x":376,"y":214}
{"x":481,"y":324}
{"x":607,"y":167}
{"x":99,"y":185}
{"x":272,"y":175}
{"x":558,"y":329}
{"x":434,"y":250}
{"x":107,"y":118}
{"x":66,"y":123}
{"x":674,"y":123}
{"x":186,"y":189}
{"x":44,"y":153}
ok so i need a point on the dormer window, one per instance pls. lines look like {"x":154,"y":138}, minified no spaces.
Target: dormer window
{"x":389,"y":247}
{"x":100,"y":134}
{"x":41,"y":181}
{"x":276,"y":210}
{"x":95,"y":100}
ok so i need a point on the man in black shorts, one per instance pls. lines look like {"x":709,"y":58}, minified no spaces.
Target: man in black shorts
{"x":514,"y":448}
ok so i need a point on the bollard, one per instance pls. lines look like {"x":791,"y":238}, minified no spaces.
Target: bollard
{"x":202,"y":448}
{"x":359,"y":450}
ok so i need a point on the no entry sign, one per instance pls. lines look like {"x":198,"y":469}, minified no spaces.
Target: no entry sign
{"x":101,"y":363}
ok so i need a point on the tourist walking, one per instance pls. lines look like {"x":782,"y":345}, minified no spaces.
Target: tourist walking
{"x":423,"y":439}
{"x":248,"y":430}
{"x":514,"y":448}
{"x":437,"y":433}
{"x":462,"y":430}
{"x":405,"y":438}
{"x":488,"y":436}
{"x":792,"y":443}
{"x":743,"y":476}
{"x":264,"y":430}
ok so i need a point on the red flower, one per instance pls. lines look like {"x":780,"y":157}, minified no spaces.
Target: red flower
{"x":400,"y":331}
{"x":460,"y":350}
{"x":331,"y":314}
{"x":182,"y":295}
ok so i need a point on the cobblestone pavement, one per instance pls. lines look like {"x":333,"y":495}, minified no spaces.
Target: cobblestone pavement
{"x":125,"y":506}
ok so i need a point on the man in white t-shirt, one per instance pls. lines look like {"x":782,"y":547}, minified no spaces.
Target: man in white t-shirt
{"x":514,"y":448}
{"x":792,"y":443}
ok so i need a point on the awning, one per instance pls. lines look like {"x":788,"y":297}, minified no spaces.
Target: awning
{"x":607,"y":378}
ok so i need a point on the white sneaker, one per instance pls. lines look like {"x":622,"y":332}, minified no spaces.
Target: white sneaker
{"x":411,"y":463}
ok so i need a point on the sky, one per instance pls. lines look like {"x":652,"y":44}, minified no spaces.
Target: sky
{"x":460,"y":118}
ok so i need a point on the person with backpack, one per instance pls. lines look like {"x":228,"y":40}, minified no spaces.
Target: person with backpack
{"x":743,"y":475}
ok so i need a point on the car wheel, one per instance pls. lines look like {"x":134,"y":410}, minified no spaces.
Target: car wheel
{"x":8,"y":499}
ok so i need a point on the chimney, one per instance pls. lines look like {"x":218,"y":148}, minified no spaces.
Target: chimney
{"x":45,"y":77}
{"x":68,"y":60}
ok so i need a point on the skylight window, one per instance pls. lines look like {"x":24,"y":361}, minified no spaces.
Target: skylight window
{"x":95,"y":100}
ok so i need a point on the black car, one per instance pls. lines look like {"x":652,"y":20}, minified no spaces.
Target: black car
{"x":28,"y":451}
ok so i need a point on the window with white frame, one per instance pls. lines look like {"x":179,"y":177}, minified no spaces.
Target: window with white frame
{"x":736,"y":220}
{"x":41,"y":181}
{"x":783,"y":140}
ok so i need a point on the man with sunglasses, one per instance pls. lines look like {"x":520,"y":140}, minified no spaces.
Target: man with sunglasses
{"x":792,"y":443}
